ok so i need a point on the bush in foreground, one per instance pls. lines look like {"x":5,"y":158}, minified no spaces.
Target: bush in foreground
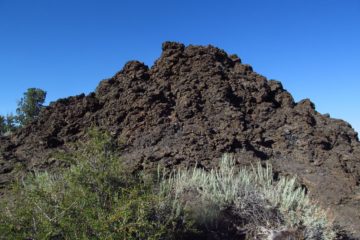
{"x":93,"y":199}
{"x":231,"y":202}
{"x":96,"y":198}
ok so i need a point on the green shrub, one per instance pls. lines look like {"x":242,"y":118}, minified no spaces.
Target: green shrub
{"x":92,"y":199}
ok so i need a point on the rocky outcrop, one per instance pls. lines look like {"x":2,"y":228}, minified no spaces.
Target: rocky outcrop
{"x":193,"y":105}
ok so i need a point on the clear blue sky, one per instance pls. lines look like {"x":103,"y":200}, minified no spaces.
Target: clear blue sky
{"x":66,"y":47}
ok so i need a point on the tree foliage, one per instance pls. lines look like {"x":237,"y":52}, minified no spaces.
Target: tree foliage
{"x":28,"y":109}
{"x":10,"y":123}
{"x":30,"y":105}
{"x":7,"y":124}
{"x":2,"y":125}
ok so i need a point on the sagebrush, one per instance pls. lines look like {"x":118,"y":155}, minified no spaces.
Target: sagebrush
{"x":249,"y":197}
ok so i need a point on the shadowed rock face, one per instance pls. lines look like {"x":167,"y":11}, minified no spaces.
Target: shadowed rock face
{"x":193,"y":105}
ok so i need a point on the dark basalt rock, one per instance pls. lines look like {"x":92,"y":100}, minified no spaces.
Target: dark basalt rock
{"x":193,"y":105}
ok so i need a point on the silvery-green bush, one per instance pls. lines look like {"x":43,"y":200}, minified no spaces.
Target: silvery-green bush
{"x":249,"y":194}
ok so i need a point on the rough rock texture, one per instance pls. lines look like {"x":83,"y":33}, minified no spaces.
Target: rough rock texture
{"x":193,"y":105}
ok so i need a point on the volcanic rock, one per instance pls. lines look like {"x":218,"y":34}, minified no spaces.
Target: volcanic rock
{"x":193,"y":105}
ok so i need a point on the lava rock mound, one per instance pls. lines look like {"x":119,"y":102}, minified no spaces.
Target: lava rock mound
{"x":193,"y":105}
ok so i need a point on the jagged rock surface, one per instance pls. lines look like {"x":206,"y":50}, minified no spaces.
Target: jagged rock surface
{"x":193,"y":105}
